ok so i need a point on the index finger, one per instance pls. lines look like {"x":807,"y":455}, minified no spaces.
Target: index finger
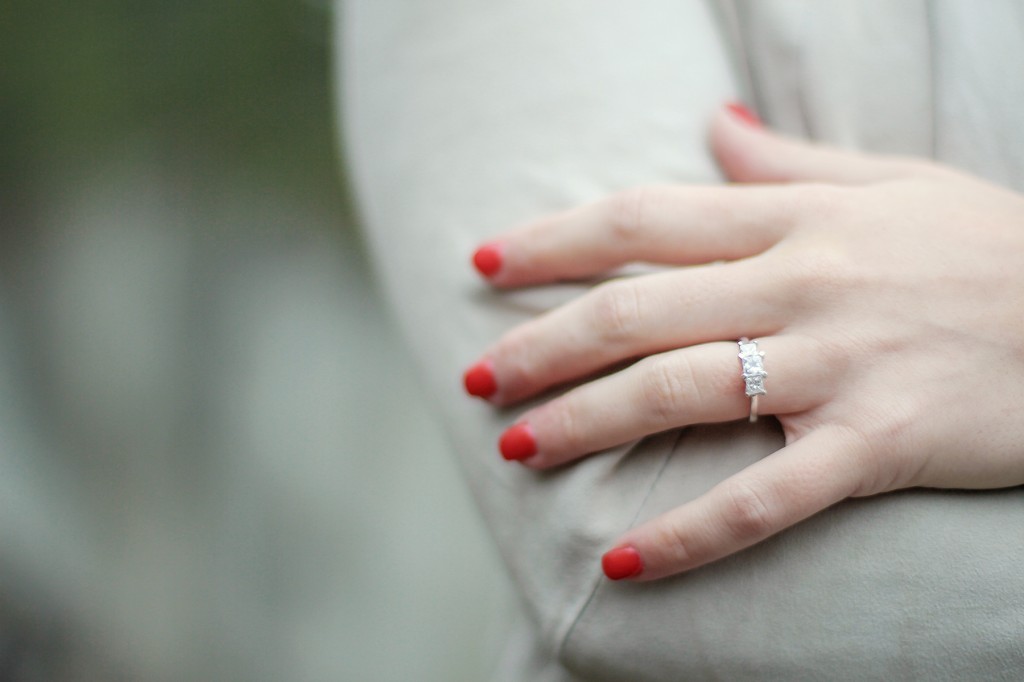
{"x":669,"y":224}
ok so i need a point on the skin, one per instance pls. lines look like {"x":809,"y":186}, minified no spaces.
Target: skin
{"x":888,"y":297}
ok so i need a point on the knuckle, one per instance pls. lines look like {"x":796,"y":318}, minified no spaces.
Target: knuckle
{"x":827,"y":357}
{"x":617,"y":310}
{"x":912,"y":166}
{"x":817,"y":273}
{"x":628,"y":212}
{"x":518,"y":364}
{"x":809,"y":206}
{"x":677,"y":543}
{"x":817,"y":262}
{"x":817,"y":201}
{"x":572,"y":432}
{"x":747,"y":516}
{"x":665,"y":391}
{"x":715,"y":206}
{"x":879,"y":450}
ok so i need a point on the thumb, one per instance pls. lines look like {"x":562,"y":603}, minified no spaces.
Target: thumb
{"x":749,"y":152}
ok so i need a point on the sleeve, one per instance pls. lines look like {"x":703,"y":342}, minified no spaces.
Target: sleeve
{"x":461,"y":118}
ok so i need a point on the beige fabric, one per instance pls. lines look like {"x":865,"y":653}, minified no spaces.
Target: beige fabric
{"x":462,"y":118}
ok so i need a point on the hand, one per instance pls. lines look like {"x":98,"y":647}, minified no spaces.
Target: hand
{"x":886,"y":293}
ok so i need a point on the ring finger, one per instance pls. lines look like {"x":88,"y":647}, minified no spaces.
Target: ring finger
{"x":700,"y":384}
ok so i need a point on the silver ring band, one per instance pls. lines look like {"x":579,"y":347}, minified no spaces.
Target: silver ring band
{"x":752,"y":367}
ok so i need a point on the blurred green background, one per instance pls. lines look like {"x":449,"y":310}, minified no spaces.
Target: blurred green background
{"x":226,"y":87}
{"x":213,"y":461}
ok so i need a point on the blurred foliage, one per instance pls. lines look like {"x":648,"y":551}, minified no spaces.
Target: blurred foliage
{"x":236,"y":87}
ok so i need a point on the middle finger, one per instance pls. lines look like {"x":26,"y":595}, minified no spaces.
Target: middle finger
{"x":634,"y":317}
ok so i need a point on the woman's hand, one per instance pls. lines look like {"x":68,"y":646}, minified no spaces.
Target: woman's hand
{"x":887,"y":295}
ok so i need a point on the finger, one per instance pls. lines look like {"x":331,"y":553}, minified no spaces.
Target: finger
{"x":689,"y":386}
{"x":749,"y":152}
{"x":782,"y":489}
{"x":678,"y":225}
{"x":633,"y":317}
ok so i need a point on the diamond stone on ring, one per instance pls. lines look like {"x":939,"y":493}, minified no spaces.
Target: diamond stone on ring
{"x":752,"y":362}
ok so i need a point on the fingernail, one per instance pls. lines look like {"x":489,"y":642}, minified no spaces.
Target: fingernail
{"x":622,"y":562}
{"x":744,"y":114}
{"x":518,"y":443}
{"x":487,"y":259}
{"x":479,"y":380}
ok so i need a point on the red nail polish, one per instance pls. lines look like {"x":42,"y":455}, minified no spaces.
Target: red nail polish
{"x":518,"y":442}
{"x":622,"y":562}
{"x":487,"y":259}
{"x":744,"y":114}
{"x":479,"y":380}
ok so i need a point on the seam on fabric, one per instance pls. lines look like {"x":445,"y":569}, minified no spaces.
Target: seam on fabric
{"x":931,"y":22}
{"x":810,"y":130}
{"x":599,"y":580}
{"x":726,"y":14}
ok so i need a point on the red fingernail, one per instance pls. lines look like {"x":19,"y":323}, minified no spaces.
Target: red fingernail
{"x":622,"y":562}
{"x":518,"y":442}
{"x":744,"y":114}
{"x":487,"y":259}
{"x":479,"y":380}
